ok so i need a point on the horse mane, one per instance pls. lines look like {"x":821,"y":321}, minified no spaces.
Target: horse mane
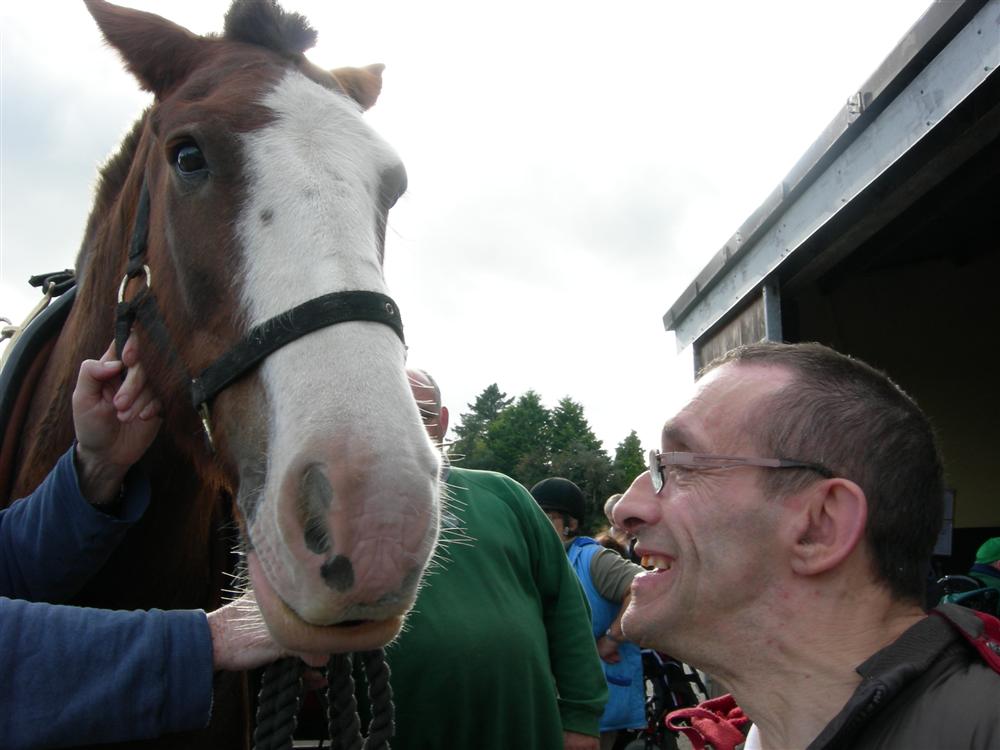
{"x":114,"y":171}
{"x":110,"y":181}
{"x":265,"y":24}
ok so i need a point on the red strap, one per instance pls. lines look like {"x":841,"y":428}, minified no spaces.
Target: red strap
{"x":717,"y":723}
{"x":987,"y":643}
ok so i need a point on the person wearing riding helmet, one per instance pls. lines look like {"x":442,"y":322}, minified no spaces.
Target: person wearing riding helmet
{"x":606,"y":577}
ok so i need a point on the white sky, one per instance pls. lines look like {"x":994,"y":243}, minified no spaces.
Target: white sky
{"x":572,"y":165}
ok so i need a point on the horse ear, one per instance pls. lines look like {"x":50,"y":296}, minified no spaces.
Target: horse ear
{"x":158,"y":52}
{"x":363,"y":85}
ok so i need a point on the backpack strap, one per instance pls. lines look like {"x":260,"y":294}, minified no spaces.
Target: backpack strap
{"x":985,"y":638}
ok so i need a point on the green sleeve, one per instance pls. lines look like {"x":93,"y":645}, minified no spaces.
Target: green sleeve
{"x":576,"y":667}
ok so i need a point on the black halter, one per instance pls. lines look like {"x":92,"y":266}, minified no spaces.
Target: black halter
{"x":262,"y":340}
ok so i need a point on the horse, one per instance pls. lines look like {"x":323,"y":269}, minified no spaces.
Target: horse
{"x":241,"y":231}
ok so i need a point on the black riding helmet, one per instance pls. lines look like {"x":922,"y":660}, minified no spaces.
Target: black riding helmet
{"x":561,"y":495}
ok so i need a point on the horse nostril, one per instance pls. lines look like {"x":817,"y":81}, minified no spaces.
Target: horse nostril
{"x":315,"y":496}
{"x":338,"y":573}
{"x":316,"y":538}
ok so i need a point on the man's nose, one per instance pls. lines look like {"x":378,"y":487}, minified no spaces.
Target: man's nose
{"x":637,"y":506}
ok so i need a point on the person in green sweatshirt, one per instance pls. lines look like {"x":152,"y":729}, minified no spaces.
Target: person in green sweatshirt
{"x":497,"y":651}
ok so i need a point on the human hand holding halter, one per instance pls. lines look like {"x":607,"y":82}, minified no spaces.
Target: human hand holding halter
{"x":115,"y":423}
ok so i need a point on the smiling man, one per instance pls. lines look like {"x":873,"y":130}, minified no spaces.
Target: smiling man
{"x":790,"y":518}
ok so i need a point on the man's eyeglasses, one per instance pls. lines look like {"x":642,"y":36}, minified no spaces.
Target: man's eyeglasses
{"x":659,"y":460}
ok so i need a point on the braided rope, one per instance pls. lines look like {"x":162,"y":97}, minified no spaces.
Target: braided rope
{"x":380,"y":697}
{"x":345,"y":725}
{"x":278,"y":705}
{"x":281,"y":694}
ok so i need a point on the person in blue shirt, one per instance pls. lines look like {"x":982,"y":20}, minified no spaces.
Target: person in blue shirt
{"x":64,"y":667}
{"x":605,"y":576}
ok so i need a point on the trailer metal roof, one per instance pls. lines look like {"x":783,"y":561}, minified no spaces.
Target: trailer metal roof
{"x":950,"y":52}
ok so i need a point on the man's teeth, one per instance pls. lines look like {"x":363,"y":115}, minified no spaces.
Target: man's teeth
{"x":656,"y":561}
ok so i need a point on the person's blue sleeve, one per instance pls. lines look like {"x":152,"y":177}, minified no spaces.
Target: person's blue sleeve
{"x":53,"y":541}
{"x":76,"y":676}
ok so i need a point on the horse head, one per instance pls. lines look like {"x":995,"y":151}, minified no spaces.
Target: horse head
{"x":266,"y":189}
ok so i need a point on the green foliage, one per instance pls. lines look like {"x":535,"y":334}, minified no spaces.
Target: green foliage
{"x":472,"y":446}
{"x":519,"y":438}
{"x":630,"y":462}
{"x":570,"y":429}
{"x":529,"y":442}
{"x":484,"y":412}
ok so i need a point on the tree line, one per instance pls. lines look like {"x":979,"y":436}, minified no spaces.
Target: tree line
{"x":529,"y":442}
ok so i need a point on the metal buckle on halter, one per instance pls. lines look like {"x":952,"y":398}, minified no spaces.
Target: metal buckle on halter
{"x":125,"y":280}
{"x":206,"y":424}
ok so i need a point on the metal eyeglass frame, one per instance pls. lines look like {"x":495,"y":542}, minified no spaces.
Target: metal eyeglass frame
{"x":658,"y":460}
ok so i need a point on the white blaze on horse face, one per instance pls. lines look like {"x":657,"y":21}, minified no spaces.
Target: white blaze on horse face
{"x":348,"y":518}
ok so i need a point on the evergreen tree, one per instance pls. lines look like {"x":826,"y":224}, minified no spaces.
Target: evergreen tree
{"x":532,"y":467}
{"x":630,"y":462}
{"x":570,"y":429}
{"x":472,"y":446}
{"x":577,"y":455}
{"x":521,"y":431}
{"x":528,"y":442}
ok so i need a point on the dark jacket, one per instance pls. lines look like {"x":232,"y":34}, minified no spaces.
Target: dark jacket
{"x":928,"y":689}
{"x":73,"y":675}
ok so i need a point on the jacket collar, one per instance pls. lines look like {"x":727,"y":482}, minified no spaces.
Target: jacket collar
{"x":886,"y":673}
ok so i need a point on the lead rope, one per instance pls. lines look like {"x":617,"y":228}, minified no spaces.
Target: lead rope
{"x":278,"y":705}
{"x":281,"y":694}
{"x":381,"y":728}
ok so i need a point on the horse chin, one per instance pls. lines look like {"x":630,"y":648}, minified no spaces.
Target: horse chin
{"x":296,"y":635}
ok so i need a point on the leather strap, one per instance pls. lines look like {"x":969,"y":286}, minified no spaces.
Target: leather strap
{"x":271,"y":335}
{"x":262,"y":340}
{"x":126,"y":311}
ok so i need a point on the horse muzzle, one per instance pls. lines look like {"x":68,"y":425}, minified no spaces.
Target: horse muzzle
{"x":338,"y":556}
{"x":296,"y":635}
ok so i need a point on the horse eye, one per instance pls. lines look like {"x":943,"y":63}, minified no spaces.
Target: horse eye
{"x":190,"y":160}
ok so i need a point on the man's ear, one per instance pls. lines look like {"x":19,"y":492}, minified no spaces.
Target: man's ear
{"x":827,"y":525}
